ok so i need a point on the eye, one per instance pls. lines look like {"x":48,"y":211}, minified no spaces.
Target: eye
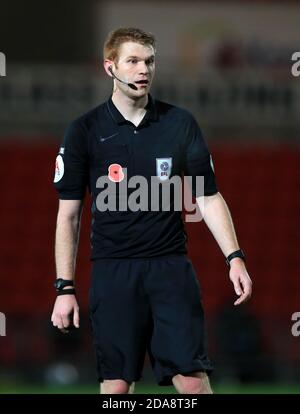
{"x":132,"y":61}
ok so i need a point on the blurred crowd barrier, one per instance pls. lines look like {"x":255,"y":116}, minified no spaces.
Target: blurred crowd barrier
{"x":45,"y":98}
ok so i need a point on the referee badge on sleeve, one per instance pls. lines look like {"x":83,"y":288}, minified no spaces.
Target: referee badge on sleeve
{"x":59,"y":168}
{"x":163,"y":168}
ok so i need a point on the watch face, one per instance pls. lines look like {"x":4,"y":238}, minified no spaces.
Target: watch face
{"x":58,"y":284}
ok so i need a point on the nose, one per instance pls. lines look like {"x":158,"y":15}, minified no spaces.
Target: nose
{"x":143,"y":68}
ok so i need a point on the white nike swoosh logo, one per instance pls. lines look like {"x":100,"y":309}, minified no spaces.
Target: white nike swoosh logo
{"x":110,"y":136}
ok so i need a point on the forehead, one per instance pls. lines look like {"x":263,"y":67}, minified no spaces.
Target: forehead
{"x":135,"y":49}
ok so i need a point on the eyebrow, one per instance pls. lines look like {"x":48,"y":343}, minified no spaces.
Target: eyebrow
{"x":136,"y":57}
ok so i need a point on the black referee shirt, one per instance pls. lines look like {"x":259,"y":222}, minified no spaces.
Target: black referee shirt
{"x":167,"y":139}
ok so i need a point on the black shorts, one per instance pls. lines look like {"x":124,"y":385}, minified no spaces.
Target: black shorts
{"x":149,"y":304}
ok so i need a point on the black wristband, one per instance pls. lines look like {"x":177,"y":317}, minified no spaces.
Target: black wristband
{"x":66,"y":292}
{"x":60,"y":283}
{"x":238,"y":253}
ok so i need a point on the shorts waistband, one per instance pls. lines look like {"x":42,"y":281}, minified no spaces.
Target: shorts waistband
{"x":173,"y":256}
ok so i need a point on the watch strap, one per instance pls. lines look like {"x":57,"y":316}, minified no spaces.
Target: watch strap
{"x":66,"y":292}
{"x":238,"y":253}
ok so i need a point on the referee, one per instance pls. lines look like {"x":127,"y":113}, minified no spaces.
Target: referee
{"x":144,"y":292}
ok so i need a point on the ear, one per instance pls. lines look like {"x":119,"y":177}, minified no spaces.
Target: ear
{"x":108,"y":64}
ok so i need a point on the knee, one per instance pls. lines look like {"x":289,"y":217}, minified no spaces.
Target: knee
{"x":194,"y":383}
{"x":115,"y":387}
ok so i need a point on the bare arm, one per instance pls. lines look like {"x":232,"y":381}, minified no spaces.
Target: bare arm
{"x":67,"y":237}
{"x":218,"y":219}
{"x":66,"y":245}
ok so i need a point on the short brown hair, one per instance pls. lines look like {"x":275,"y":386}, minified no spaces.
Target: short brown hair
{"x":125,"y":34}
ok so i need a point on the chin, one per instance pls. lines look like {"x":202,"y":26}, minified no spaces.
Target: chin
{"x":139,"y":93}
{"x":143,"y":92}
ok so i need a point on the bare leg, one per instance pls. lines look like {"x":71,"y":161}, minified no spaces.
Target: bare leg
{"x":193,"y":383}
{"x":116,"y":387}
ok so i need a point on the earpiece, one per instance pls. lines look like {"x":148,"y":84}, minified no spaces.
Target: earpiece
{"x":131,"y":85}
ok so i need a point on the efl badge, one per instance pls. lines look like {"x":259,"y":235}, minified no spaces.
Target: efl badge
{"x":163,"y":168}
{"x":115,"y":173}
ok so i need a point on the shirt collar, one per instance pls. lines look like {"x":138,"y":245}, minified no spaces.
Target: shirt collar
{"x":151,"y":111}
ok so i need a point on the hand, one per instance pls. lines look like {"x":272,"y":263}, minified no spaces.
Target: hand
{"x":65,"y":308}
{"x":241,"y":280}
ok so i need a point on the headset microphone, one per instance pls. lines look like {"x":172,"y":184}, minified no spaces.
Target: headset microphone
{"x":131,"y":85}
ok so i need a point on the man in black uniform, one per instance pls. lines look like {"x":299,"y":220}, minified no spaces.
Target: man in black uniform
{"x":144,"y":291}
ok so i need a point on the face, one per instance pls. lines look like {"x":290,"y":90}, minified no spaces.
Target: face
{"x":135,"y":65}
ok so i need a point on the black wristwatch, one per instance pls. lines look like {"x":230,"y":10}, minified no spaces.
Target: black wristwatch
{"x":60,"y":284}
{"x":238,"y":253}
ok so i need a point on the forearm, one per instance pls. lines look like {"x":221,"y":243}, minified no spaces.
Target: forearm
{"x":66,"y":246}
{"x":218,"y":219}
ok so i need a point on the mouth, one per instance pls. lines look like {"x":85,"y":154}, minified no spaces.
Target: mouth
{"x":142,"y":82}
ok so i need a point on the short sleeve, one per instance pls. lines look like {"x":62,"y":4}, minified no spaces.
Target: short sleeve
{"x":71,"y":166}
{"x":198,"y":161}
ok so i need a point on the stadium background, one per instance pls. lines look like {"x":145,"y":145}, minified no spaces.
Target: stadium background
{"x":230,"y":64}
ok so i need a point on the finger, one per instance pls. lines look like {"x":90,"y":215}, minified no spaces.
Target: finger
{"x":76,"y":318}
{"x":245,"y":296}
{"x":55,"y":320}
{"x":62,"y":329}
{"x":247,"y":287}
{"x":65,"y":321}
{"x":237,"y":287}
{"x":238,"y":301}
{"x":60,"y":325}
{"x":58,"y":322}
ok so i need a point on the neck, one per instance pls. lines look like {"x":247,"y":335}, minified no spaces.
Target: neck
{"x":131,"y":109}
